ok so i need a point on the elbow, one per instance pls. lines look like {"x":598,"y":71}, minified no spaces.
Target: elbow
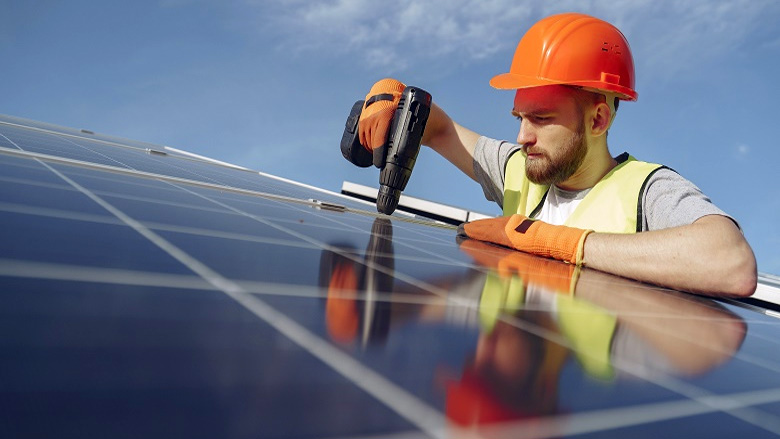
{"x":732,"y":266}
{"x":744,"y":285}
{"x":740,"y":278}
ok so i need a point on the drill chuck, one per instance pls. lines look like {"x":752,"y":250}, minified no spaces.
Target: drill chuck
{"x":387,"y":199}
{"x":392,"y":180}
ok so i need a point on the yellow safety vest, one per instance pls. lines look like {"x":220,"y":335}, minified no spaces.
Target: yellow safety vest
{"x":613,"y":205}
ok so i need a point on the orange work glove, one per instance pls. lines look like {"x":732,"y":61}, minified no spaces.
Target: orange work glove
{"x":531,"y":236}
{"x":378,"y":110}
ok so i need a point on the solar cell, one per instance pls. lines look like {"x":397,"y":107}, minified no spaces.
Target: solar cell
{"x":167,"y":296}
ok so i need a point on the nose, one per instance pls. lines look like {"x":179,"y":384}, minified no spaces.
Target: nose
{"x":526,"y":135}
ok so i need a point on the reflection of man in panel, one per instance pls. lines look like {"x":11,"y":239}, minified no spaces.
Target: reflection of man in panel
{"x":536,"y":315}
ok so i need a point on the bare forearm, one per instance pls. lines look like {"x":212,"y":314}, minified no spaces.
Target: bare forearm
{"x":710,"y":257}
{"x":451,"y":140}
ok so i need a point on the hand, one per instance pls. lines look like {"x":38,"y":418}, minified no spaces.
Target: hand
{"x":531,"y":236}
{"x":378,"y":110}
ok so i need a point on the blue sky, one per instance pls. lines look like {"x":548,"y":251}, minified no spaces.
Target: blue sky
{"x":267,"y":84}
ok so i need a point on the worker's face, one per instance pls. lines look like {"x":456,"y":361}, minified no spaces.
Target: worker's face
{"x":552,"y":132}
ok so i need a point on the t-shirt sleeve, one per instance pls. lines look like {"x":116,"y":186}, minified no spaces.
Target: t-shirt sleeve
{"x":490,"y":157}
{"x":671,"y":200}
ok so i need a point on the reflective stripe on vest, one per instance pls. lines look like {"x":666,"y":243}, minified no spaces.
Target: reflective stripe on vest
{"x":613,"y":205}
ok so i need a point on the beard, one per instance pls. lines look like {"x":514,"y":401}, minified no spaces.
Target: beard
{"x":554,"y":168}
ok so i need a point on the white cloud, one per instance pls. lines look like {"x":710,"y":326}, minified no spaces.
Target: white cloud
{"x":414,"y":29}
{"x":670,"y":35}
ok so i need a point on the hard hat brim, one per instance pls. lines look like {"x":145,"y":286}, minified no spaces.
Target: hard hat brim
{"x":513,"y":81}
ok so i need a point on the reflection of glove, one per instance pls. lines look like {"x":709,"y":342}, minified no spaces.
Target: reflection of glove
{"x":341,"y":310}
{"x":532,"y":270}
{"x":515,"y":278}
{"x":530,"y":236}
{"x":378,"y":110}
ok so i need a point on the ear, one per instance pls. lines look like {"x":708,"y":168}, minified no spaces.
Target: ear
{"x":601,"y":119}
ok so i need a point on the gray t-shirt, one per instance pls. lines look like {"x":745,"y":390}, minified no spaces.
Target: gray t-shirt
{"x":669,"y":199}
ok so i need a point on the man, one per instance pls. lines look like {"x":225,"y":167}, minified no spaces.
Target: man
{"x":563,"y":194}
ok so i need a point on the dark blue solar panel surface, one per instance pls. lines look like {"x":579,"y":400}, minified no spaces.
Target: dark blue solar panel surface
{"x":148,"y":295}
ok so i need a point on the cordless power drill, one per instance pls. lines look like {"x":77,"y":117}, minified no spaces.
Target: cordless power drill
{"x":396,"y":157}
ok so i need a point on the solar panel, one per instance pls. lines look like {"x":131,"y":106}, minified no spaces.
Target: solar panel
{"x":145,"y":292}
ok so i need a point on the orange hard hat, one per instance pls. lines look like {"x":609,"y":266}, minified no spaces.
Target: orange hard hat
{"x":572,"y":49}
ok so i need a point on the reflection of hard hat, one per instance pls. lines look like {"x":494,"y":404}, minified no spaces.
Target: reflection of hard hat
{"x":471,"y":401}
{"x":572,"y":49}
{"x":488,"y":393}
